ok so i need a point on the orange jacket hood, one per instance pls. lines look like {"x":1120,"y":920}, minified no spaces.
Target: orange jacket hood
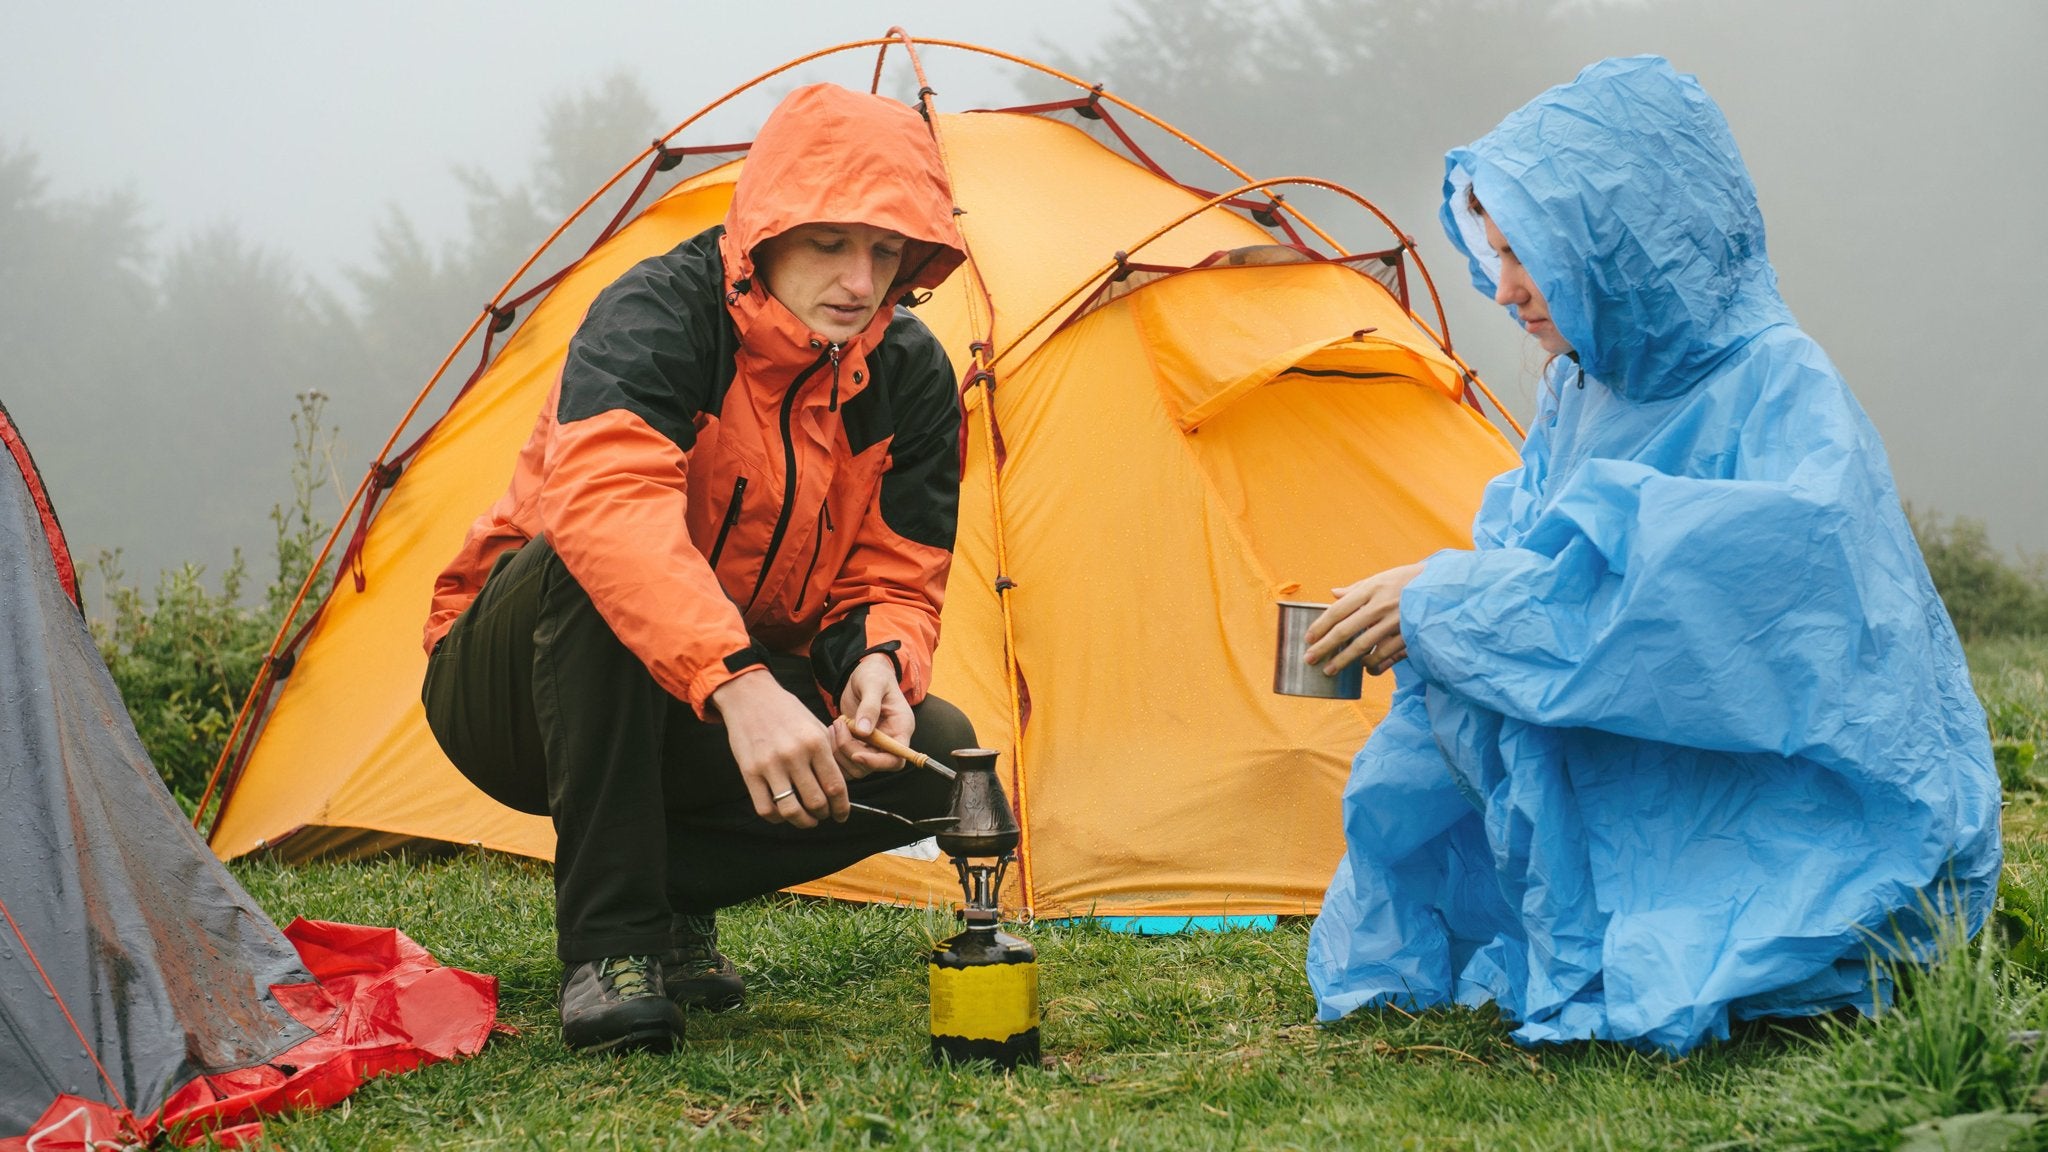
{"x":831,"y":155}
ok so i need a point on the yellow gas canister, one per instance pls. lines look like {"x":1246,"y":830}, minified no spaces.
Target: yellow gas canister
{"x":984,"y":995}
{"x":984,"y":989}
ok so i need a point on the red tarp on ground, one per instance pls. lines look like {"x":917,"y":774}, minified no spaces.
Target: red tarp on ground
{"x":381,"y":1004}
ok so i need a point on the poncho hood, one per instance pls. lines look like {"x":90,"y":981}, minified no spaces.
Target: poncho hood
{"x":1625,"y":196}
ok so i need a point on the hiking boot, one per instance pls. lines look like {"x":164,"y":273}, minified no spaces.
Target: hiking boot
{"x":616,"y":1005}
{"x":695,"y":972}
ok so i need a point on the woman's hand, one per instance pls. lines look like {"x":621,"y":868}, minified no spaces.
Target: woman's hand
{"x":1363,"y":625}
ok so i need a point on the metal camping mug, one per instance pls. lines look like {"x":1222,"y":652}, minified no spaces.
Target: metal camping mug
{"x":1291,"y":677}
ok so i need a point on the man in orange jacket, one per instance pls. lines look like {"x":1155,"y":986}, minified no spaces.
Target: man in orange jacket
{"x":720,"y":560}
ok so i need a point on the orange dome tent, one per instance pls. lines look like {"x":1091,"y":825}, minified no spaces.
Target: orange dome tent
{"x":1167,"y":432}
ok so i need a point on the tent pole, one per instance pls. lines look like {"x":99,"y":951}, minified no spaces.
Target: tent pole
{"x":983,"y":324}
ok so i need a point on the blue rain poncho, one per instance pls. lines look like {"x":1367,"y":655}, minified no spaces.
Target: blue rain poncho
{"x":1689,"y":733}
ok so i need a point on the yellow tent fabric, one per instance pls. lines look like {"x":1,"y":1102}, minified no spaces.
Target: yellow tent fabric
{"x":1169,"y":464}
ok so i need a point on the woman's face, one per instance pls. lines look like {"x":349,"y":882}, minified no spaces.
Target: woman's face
{"x":831,"y":276}
{"x":1518,"y":288}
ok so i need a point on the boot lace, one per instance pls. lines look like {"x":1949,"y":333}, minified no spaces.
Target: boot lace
{"x":698,"y":938}
{"x":629,"y":976}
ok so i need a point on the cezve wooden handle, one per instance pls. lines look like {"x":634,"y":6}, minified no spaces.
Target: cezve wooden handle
{"x":894,"y":747}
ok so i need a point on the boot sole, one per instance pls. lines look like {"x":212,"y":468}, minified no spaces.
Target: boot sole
{"x":659,"y":1040}
{"x":708,"y":995}
{"x":714,"y":1004}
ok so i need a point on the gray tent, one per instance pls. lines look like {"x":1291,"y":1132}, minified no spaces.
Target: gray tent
{"x":130,"y":961}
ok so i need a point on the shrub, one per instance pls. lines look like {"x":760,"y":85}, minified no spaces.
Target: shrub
{"x":185,"y":659}
{"x":2015,"y":762}
{"x":1986,"y":595}
{"x":182,"y":661}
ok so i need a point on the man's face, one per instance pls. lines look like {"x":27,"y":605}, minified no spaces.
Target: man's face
{"x":831,"y":276}
{"x":1518,"y":288}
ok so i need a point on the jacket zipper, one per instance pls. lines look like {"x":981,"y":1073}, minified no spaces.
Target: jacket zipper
{"x":789,"y":471}
{"x":732,"y":517}
{"x":803,"y":590}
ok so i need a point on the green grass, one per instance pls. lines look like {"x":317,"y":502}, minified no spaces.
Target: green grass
{"x":1166,"y":1042}
{"x":1200,"y":1041}
{"x":2011,"y":677}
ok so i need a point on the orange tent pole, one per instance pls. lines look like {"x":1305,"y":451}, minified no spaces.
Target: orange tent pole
{"x":981,"y":322}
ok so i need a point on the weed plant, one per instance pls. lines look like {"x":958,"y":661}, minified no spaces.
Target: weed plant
{"x":1963,"y":1041}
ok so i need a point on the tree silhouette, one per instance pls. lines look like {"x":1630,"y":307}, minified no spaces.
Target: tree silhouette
{"x":158,"y":385}
{"x":415,"y":300}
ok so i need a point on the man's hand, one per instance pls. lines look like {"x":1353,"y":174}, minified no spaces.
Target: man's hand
{"x":872,"y":700}
{"x":1364,"y":624}
{"x":784,"y":754}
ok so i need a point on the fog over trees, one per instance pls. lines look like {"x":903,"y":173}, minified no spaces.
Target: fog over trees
{"x":154,"y":371}
{"x":168,"y":376}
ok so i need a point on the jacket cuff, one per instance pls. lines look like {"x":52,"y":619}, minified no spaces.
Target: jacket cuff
{"x":887,"y":648}
{"x":832,"y":671}
{"x":717,"y":675}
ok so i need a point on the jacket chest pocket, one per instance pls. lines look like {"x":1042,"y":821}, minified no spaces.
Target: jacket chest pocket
{"x":735,"y":507}
{"x":814,"y":555}
{"x":729,"y":493}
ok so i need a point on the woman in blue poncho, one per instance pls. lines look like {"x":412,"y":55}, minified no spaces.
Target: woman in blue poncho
{"x":1688,"y":733}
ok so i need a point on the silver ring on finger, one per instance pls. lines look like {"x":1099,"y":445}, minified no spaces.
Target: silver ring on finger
{"x":784,"y":794}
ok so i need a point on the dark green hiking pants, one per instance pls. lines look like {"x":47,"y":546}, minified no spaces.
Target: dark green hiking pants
{"x":539,"y":704}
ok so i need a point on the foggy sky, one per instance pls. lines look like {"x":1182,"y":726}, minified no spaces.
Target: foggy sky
{"x":1898,"y":166}
{"x":300,"y":123}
